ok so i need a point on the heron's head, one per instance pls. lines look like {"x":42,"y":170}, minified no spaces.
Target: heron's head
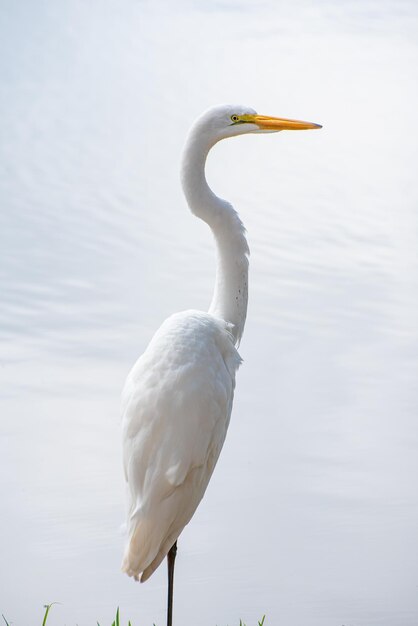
{"x":228,"y":120}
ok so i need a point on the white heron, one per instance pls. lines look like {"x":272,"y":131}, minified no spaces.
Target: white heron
{"x":177,"y":400}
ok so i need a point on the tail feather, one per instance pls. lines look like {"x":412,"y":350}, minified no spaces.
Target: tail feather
{"x":140,"y":549}
{"x":142,"y":555}
{"x":162,"y":553}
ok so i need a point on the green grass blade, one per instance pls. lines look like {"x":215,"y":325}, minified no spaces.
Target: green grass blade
{"x":48,"y":608}
{"x":7,"y":623}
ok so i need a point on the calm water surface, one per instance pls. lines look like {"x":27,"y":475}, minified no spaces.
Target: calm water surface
{"x":311,"y":516}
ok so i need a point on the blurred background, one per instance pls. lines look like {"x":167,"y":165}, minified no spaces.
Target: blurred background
{"x":311,"y":516}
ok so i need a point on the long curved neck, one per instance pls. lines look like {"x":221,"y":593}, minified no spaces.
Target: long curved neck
{"x":230,"y":296}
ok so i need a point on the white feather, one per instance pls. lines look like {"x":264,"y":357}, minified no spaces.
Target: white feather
{"x":176,"y":408}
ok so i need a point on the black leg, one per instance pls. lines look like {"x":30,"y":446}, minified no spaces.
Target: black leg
{"x":171,"y":557}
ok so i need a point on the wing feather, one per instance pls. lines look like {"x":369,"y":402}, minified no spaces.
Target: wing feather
{"x":176,"y":409}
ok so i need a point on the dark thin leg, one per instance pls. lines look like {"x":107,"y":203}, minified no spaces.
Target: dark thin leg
{"x":171,"y":557}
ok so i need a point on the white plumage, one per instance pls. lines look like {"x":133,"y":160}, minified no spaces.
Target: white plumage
{"x":176,"y":403}
{"x":177,"y":400}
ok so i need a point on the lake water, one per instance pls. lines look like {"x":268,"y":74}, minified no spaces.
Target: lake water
{"x":312,"y":514}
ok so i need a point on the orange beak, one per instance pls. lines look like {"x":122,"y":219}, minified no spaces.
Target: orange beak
{"x":281,"y":123}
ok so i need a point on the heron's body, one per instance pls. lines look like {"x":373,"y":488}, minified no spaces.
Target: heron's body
{"x":177,"y":403}
{"x":178,"y":397}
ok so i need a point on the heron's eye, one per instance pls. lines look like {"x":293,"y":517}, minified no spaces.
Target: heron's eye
{"x":235,"y":118}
